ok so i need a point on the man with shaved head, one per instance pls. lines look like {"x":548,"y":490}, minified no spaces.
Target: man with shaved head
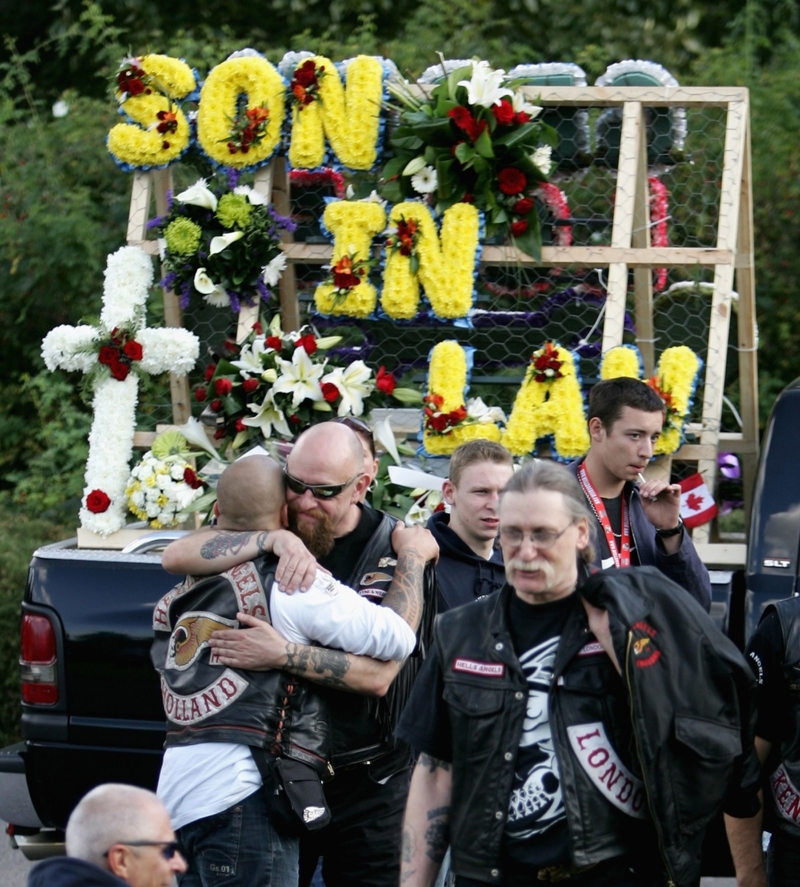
{"x":117,"y":835}
{"x":228,"y":727}
{"x":325,"y":481}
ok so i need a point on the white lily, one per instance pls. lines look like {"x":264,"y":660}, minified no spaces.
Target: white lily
{"x":414,"y":166}
{"x":267,"y":416}
{"x":250,"y":359}
{"x":299,"y":377}
{"x":275,"y":326}
{"x":195,"y":433}
{"x":218,"y":244}
{"x":270,"y":376}
{"x":326,"y":342}
{"x":384,"y":435}
{"x":520,"y":103}
{"x":354,"y":383}
{"x":477,"y":409}
{"x":203,"y":283}
{"x":374,"y":197}
{"x":271,"y":272}
{"x":541,"y":157}
{"x":484,"y":87}
{"x":199,"y":195}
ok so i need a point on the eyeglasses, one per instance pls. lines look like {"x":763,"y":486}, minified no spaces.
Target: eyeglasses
{"x":318,"y":491}
{"x":168,"y":848}
{"x":540,"y":538}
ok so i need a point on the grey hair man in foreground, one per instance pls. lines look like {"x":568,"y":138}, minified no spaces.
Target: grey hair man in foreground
{"x":117,"y":835}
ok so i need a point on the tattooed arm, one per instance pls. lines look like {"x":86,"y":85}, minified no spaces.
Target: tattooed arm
{"x":427,"y":822}
{"x":211,"y":550}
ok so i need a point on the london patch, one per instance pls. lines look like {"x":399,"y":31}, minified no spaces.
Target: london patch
{"x":603,"y":766}
{"x":201,"y":705}
{"x":786,"y":795}
{"x":487,"y":669}
{"x":591,"y":649}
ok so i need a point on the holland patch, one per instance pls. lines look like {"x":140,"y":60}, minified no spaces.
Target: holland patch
{"x":473,"y":666}
{"x":603,"y":766}
{"x":209,"y":701}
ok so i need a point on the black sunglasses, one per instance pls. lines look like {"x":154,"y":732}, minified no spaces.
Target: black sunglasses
{"x":168,"y":848}
{"x":318,"y":491}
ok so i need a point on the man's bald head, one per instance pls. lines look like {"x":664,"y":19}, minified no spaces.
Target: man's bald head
{"x":331,"y":444}
{"x":250,"y":494}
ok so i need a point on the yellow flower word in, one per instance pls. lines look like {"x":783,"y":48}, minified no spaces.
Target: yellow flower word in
{"x":353,"y":224}
{"x":676,"y":376}
{"x":349,"y":118}
{"x":447,"y":379}
{"x":621,"y":361}
{"x":160,"y":132}
{"x":256,"y":78}
{"x":554,"y":408}
{"x":446,"y":264}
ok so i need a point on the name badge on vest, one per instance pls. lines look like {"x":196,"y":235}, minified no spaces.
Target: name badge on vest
{"x":786,"y":795}
{"x":486,"y":669}
{"x":603,"y":766}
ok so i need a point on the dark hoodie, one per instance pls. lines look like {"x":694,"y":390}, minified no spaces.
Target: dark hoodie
{"x":463,"y":575}
{"x":66,"y":871}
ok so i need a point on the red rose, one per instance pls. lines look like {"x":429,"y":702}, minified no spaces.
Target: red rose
{"x":519,"y":227}
{"x":345,"y":280}
{"x":460,"y":116}
{"x":231,"y":346}
{"x":295,"y":420}
{"x":306,"y":74}
{"x":504,"y":112}
{"x":209,"y":373}
{"x":521,"y":117}
{"x":240,"y":426}
{"x":191,"y":478}
{"x":257,"y":328}
{"x":309,"y":343}
{"x":97,"y":501}
{"x":219,"y":434}
{"x":522,"y":207}
{"x":223,"y":386}
{"x":107,"y":355}
{"x":274,"y":342}
{"x":329,"y":391}
{"x":385,"y":381}
{"x":438,"y":423}
{"x":249,"y":385}
{"x":511,"y":180}
{"x":200,"y":393}
{"x":468,"y":198}
{"x":132,"y":350}
{"x":216,"y":405}
{"x":119,"y":370}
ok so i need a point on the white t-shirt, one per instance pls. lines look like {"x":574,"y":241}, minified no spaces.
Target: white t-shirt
{"x":204,"y":779}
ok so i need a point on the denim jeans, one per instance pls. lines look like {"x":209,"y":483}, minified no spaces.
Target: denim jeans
{"x":783,"y":860}
{"x":238,"y":848}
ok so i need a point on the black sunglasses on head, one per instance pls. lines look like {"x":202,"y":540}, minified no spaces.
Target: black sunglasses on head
{"x":168,"y":848}
{"x":318,"y":491}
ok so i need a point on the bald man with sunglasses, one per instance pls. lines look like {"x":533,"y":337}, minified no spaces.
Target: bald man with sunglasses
{"x":325,"y":482}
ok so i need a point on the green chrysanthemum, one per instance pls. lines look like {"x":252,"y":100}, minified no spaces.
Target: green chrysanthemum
{"x":234,"y":210}
{"x":183,"y":237}
{"x":170,"y":443}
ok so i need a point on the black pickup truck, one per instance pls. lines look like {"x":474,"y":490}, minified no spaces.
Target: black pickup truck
{"x":91,"y":703}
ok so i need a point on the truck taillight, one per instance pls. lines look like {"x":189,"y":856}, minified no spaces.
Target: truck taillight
{"x":37,"y":664}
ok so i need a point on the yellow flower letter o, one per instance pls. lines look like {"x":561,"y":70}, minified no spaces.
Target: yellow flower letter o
{"x":264,"y":87}
{"x":350,"y":119}
{"x":139,"y":144}
{"x":446,"y":265}
{"x":549,"y":408}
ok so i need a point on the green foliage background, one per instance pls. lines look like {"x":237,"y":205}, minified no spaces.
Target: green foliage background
{"x":63,"y":203}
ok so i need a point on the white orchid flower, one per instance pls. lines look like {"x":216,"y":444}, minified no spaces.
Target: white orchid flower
{"x":267,"y":416}
{"x":484,"y":87}
{"x":250,"y":359}
{"x":203,"y":283}
{"x":218,"y":244}
{"x":520,"y":103}
{"x":541,"y":157}
{"x":199,"y":195}
{"x":299,"y":377}
{"x":425,"y":181}
{"x":271,"y":272}
{"x":384,"y":435}
{"x":354,"y":383}
{"x":477,"y":410}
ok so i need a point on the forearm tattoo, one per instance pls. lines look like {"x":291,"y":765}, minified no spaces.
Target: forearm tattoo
{"x":408,"y":851}
{"x":323,"y":666}
{"x":433,"y":764}
{"x":437,"y":835}
{"x":224,"y":543}
{"x":405,"y":595}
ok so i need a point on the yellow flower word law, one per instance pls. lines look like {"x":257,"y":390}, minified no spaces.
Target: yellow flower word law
{"x":113,"y":369}
{"x":348,"y":117}
{"x":446,"y":263}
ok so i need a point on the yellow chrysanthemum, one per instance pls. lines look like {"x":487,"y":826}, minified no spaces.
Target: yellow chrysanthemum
{"x":677,"y":371}
{"x":621,"y":362}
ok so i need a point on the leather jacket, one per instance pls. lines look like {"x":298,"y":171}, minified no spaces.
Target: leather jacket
{"x":208,"y":702}
{"x":784,"y":782}
{"x":653,"y":750}
{"x":684,"y":567}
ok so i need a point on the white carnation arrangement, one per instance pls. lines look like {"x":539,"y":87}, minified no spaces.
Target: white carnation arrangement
{"x":158,"y":490}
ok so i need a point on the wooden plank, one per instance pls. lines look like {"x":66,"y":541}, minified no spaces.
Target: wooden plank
{"x":139,"y":209}
{"x":720,"y":554}
{"x":643,"y":275}
{"x":290,"y":304}
{"x":630,"y":147}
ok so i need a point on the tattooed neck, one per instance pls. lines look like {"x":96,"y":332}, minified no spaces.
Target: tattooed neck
{"x":225,"y":543}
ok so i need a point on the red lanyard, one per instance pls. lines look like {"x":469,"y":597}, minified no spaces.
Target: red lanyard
{"x":621,"y":558}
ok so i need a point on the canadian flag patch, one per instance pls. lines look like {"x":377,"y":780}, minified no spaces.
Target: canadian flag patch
{"x":697,"y":504}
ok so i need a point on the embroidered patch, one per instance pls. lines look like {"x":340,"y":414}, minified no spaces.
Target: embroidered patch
{"x":248,"y":589}
{"x":375,"y":594}
{"x":371,"y":578}
{"x":645,"y":652}
{"x":312,"y":813}
{"x":190,"y":637}
{"x":387,"y":562}
{"x":592,"y":649}
{"x":603,"y":766}
{"x":201,"y":705}
{"x":786,"y":795}
{"x":487,"y":669}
